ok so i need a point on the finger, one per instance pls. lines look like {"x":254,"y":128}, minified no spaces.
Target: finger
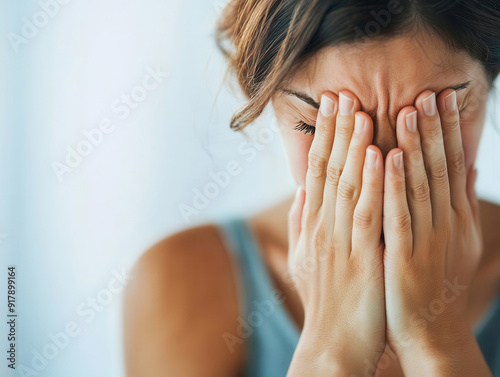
{"x":417,"y":186}
{"x":397,"y":219}
{"x":295,"y":218}
{"x":349,"y":187}
{"x":450,"y":121}
{"x":429,"y":125}
{"x":344,"y":127}
{"x":320,"y":150}
{"x":367,"y":220}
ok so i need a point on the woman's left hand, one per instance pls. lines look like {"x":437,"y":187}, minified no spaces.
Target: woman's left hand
{"x":432,"y":242}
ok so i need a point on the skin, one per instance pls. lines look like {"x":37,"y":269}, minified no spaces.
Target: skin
{"x":343,"y":206}
{"x":184,"y":293}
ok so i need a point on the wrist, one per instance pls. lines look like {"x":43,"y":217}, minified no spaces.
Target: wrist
{"x":334,"y":355}
{"x":320,"y":361}
{"x":449,"y":353}
{"x":432,"y":337}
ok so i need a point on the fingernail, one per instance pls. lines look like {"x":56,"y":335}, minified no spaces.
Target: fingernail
{"x":346,"y":104}
{"x":398,"y":160}
{"x":371,"y":158}
{"x":430,"y":105}
{"x":359,"y":124}
{"x":411,"y":121}
{"x":451,"y":101}
{"x":326,"y":106}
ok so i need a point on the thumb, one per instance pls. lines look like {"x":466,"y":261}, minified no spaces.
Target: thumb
{"x":295,"y":218}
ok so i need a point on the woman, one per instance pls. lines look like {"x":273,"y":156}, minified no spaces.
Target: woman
{"x":384,"y":263}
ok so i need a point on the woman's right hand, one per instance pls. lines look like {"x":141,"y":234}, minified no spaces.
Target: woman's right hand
{"x":335,"y":249}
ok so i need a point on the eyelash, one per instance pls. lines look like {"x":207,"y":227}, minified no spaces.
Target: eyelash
{"x":307,"y":128}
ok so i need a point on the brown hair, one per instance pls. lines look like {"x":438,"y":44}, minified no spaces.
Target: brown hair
{"x":265,"y":41}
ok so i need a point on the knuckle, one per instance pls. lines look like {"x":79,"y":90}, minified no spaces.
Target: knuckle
{"x":398,"y":186}
{"x":373,"y":187}
{"x":456,"y":163}
{"x":333,"y":173}
{"x":343,"y":131}
{"x":317,"y":165}
{"x":439,"y":172}
{"x":402,"y":223}
{"x":347,"y":191}
{"x":414,"y":147}
{"x":434,"y":132}
{"x":356,"y":152}
{"x":363,"y":219}
{"x":420,"y":192}
{"x":322,"y":126}
{"x":454,"y":124}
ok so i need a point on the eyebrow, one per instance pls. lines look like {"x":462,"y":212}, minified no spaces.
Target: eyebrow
{"x":304,"y":97}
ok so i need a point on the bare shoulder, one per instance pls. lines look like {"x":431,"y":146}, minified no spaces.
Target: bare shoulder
{"x":181,"y":301}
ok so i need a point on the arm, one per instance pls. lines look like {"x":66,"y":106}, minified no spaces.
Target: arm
{"x":179,"y":303}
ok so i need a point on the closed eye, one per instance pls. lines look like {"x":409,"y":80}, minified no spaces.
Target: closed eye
{"x":305,"y":128}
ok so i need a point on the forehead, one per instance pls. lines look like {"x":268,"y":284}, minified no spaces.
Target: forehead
{"x":387,"y":72}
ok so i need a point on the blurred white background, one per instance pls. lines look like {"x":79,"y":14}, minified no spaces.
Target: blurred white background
{"x":71,"y":235}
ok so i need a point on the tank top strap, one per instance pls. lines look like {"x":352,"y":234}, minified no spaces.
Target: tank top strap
{"x":487,"y":333}
{"x":257,"y":283}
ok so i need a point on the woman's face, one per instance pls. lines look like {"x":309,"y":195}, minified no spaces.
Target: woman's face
{"x":385,"y":76}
